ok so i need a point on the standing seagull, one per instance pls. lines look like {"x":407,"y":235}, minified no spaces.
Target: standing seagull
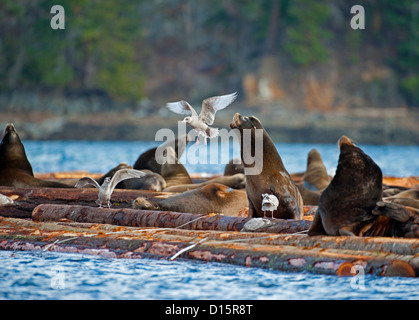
{"x":202,"y":121}
{"x":107,"y":187}
{"x":269,"y":203}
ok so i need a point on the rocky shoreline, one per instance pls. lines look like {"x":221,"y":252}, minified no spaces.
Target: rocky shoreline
{"x":372,"y":126}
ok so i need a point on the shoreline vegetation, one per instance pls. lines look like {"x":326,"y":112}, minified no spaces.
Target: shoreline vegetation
{"x":299,"y":66}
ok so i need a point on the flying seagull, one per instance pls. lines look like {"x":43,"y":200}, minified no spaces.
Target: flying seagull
{"x":269,"y":203}
{"x":202,"y":121}
{"x":107,"y":187}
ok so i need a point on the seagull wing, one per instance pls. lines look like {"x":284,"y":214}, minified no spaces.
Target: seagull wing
{"x":211,"y":105}
{"x":124,"y":174}
{"x":86,"y":181}
{"x":181,"y":107}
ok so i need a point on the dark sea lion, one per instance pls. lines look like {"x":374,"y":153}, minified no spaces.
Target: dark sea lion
{"x":310,"y":198}
{"x":151,"y":181}
{"x":315,"y":177}
{"x":351,"y":204}
{"x":147,"y":160}
{"x":234,"y":166}
{"x":173,"y":172}
{"x":212,"y":198}
{"x":111,"y":173}
{"x":15,"y":169}
{"x":273,"y":179}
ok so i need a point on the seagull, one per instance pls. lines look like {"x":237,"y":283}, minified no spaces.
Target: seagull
{"x":269,"y":203}
{"x":202,"y":121}
{"x":108,"y":185}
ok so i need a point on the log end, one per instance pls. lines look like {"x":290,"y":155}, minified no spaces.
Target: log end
{"x":345,"y":269}
{"x":399,"y":268}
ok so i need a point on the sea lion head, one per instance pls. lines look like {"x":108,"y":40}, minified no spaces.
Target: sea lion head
{"x":12,"y":152}
{"x":144,"y":204}
{"x":313,"y":155}
{"x":242,"y":122}
{"x":356,"y":170}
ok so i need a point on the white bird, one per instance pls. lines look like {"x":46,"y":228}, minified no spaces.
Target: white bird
{"x":5,"y":200}
{"x":202,"y":121}
{"x":107,"y":187}
{"x":269,"y":203}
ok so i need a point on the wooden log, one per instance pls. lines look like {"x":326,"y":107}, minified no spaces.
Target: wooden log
{"x":28,"y":198}
{"x":16,"y":234}
{"x":160,"y":219}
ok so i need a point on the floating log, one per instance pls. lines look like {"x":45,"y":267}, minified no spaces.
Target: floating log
{"x":225,"y":247}
{"x":159,"y":219}
{"x":28,"y":198}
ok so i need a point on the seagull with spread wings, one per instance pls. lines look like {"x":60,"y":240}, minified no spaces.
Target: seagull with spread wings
{"x":202,"y":121}
{"x":107,"y":187}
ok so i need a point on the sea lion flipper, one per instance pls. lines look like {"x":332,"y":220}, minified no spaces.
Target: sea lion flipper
{"x":346,"y":231}
{"x":391,"y":210}
{"x":316,"y":228}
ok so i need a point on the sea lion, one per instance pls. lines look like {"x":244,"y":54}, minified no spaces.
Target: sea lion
{"x":173,"y":171}
{"x":274,"y":178}
{"x":178,"y":179}
{"x":212,"y":198}
{"x":315,"y":177}
{"x":351,"y":204}
{"x":310,"y":198}
{"x":234,"y":166}
{"x":237,"y":181}
{"x":147,"y":160}
{"x":151,"y":181}
{"x":15,"y":169}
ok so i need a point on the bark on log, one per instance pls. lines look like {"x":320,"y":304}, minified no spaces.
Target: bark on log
{"x":17,"y":234}
{"x":159,"y":219}
{"x":28,"y":198}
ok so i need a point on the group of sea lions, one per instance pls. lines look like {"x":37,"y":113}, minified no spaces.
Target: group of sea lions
{"x":354,"y":202}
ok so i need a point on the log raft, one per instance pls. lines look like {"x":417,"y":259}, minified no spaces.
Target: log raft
{"x":262,"y":250}
{"x":66,"y":220}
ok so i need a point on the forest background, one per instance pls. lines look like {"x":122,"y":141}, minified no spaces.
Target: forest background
{"x":297,"y":65}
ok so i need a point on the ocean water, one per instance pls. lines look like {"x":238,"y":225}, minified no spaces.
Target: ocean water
{"x":49,"y":275}
{"x":52,"y":156}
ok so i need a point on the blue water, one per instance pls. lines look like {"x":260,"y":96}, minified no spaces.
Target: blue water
{"x":52,"y":156}
{"x":49,"y":275}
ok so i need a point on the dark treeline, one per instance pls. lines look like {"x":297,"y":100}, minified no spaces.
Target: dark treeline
{"x":167,"y":49}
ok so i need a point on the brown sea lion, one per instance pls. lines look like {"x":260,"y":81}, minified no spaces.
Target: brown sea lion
{"x":315,"y":177}
{"x":15,"y":169}
{"x":178,"y":179}
{"x":234,"y":166}
{"x":273,"y":179}
{"x":173,"y":171}
{"x":351,"y":204}
{"x":147,"y":160}
{"x":151,"y":181}
{"x":212,"y":198}
{"x":310,"y":198}
{"x":237,"y":181}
